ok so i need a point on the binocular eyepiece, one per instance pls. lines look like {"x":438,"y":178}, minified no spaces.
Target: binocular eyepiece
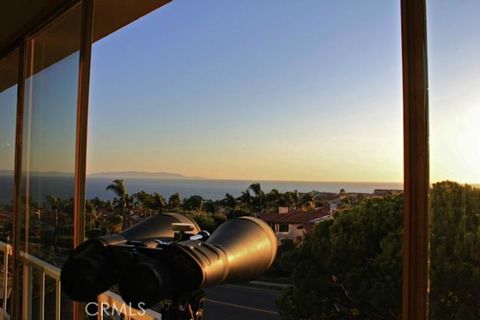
{"x":168,"y":257}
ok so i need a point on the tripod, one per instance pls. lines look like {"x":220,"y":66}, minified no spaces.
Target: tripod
{"x":188,"y":308}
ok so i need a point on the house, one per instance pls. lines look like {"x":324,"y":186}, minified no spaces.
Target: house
{"x":294,"y":225}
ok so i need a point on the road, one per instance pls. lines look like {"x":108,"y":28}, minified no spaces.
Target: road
{"x":237,"y":302}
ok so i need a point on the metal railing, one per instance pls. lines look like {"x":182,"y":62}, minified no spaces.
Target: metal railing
{"x":6,"y":249}
{"x":107,"y":300}
{"x":29,"y":264}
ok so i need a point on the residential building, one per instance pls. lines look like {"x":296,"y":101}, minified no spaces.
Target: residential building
{"x":294,"y":225}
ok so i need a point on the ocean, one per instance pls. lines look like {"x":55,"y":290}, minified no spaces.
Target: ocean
{"x":62,"y":186}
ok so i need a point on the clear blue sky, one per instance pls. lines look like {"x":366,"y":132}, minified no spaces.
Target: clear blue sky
{"x":295,"y":90}
{"x":284,"y":89}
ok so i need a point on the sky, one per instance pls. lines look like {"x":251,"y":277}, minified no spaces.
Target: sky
{"x":265,"y":90}
{"x":277,"y":90}
{"x":454,"y":95}
{"x":7,"y":128}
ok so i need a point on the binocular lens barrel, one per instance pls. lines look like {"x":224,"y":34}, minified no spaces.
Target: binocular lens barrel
{"x":90,"y":269}
{"x":88,"y":273}
{"x":149,"y":271}
{"x":239,"y":250}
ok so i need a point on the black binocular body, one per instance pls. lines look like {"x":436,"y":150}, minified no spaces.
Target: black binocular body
{"x":167,"y":257}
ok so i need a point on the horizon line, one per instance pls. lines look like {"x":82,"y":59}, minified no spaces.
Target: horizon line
{"x":185,"y":177}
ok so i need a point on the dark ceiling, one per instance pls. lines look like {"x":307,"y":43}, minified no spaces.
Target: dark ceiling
{"x":17,"y":16}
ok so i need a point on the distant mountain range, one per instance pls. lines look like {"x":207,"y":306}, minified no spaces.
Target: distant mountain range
{"x":143,"y":175}
{"x":113,"y":175}
{"x":39,"y":173}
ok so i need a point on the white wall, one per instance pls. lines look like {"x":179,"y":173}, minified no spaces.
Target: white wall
{"x":292,"y":234}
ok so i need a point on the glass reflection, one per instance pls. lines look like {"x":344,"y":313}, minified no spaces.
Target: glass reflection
{"x":51,"y":86}
{"x":49,"y":138}
{"x":8,"y":108}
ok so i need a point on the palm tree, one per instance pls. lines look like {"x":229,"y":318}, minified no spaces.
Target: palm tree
{"x":246,"y":199}
{"x":118,"y":187}
{"x":144,"y":200}
{"x":272,"y":199}
{"x":174,"y":202}
{"x":259,"y":197}
{"x":296,"y":198}
{"x":256,"y":189}
{"x":158,"y":202}
{"x":306,"y":201}
{"x":194,"y":203}
{"x":229,"y":201}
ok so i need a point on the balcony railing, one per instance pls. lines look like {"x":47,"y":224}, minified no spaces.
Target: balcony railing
{"x":6,"y":249}
{"x":46,"y":270}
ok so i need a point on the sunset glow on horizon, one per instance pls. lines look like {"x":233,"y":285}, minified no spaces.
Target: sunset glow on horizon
{"x":284,"y":90}
{"x":252,"y":92}
{"x":286,"y":96}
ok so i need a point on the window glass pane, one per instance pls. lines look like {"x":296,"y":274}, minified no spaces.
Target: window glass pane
{"x":8,"y":108}
{"x":288,"y":111}
{"x":49,"y":149}
{"x":454,"y":69}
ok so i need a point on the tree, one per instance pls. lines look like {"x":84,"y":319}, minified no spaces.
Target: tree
{"x":230,"y":203}
{"x":174,"y":202}
{"x":158,"y":202}
{"x":115,"y":223}
{"x":272,"y":200}
{"x":210,"y":206}
{"x":193,"y":203}
{"x":455,"y":252}
{"x":290,"y":199}
{"x":246,"y":199}
{"x":118,"y":187}
{"x":258,"y":198}
{"x":349,"y":267}
{"x":143,"y":199}
{"x":204,"y":220}
{"x":306,"y":201}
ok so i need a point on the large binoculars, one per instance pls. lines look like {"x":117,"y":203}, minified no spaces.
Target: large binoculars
{"x":166,"y":257}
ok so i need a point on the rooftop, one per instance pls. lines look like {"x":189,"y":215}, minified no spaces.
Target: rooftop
{"x":295,"y":217}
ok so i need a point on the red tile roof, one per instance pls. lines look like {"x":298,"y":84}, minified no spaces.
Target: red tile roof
{"x":293,"y":217}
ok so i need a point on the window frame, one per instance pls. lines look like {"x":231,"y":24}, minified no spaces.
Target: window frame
{"x":280,"y":225}
{"x":416,"y":150}
{"x":416,"y":212}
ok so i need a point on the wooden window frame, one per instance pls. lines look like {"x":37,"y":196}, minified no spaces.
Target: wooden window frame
{"x":416,"y":161}
{"x":80,"y":145}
